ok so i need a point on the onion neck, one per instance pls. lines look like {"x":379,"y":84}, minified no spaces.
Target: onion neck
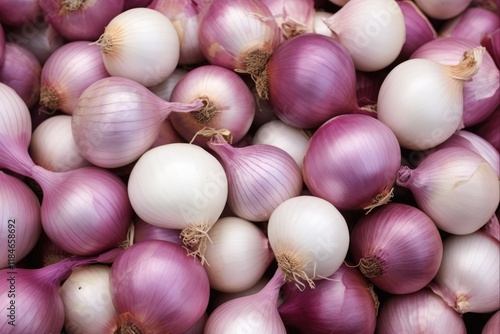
{"x":221,"y":146}
{"x":404,"y":176}
{"x":48,"y":180}
{"x":57,"y":272}
{"x":468,"y":66}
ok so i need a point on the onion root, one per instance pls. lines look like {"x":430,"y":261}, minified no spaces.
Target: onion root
{"x":195,"y":240}
{"x":293,"y":268}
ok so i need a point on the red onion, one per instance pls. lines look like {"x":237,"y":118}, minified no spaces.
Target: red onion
{"x":20,"y":212}
{"x":31,"y":299}
{"x":472,"y":24}
{"x":293,"y":17}
{"x":489,"y":129}
{"x":260,"y":177}
{"x":469,"y":277}
{"x":254,"y":314}
{"x":39,"y":37}
{"x":18,"y":12}
{"x":53,"y":147}
{"x":419,"y":312}
{"x":227,"y":103}
{"x":303,"y":72}
{"x":144,"y":231}
{"x":184,"y":14}
{"x":343,"y":304}
{"x":352,"y":162}
{"x":247,"y":45}
{"x":21,"y":71}
{"x":84,"y":211}
{"x":67,"y":73}
{"x":442,"y":10}
{"x":156,"y":288}
{"x":80,"y":19}
{"x":480,"y":95}
{"x":492,"y":326}
{"x":398,"y":248}
{"x":492,"y":43}
{"x":418,"y":29}
{"x":456,"y":187}
{"x":117,"y":119}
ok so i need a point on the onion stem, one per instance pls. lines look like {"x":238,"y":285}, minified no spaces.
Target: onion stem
{"x":469,"y":65}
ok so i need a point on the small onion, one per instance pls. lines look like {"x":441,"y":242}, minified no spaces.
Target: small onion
{"x":140,"y":44}
{"x":469,"y":277}
{"x":156,"y":288}
{"x":418,"y":312}
{"x":260,"y":178}
{"x":20,"y":214}
{"x":21,"y":70}
{"x":398,"y":248}
{"x":67,"y":73}
{"x":352,"y":162}
{"x":344,"y":303}
{"x":456,"y":187}
{"x":372,"y":30}
{"x":227,"y":103}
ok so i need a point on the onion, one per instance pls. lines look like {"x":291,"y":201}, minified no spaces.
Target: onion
{"x":293,"y":17}
{"x":86,"y":296}
{"x":220,"y":298}
{"x":21,"y":70}
{"x":227,"y":103}
{"x":352,"y":162}
{"x":179,"y":186}
{"x":167,"y":135}
{"x":117,"y":119}
{"x":247,"y":45}
{"x":292,"y":140}
{"x":238,"y":255}
{"x":184,"y":15}
{"x":302,"y":74}
{"x":482,"y":93}
{"x":489,"y":129}
{"x":144,"y":231}
{"x":156,"y":288}
{"x":469,"y":277}
{"x":492,"y":326}
{"x":442,"y":10}
{"x":164,"y":89}
{"x":31,"y":299}
{"x":320,"y":26}
{"x":422,"y":123}
{"x":18,"y":12}
{"x":344,"y":303}
{"x":260,"y":178}
{"x":80,"y":19}
{"x":67,"y":73}
{"x":418,"y":312}
{"x":309,"y":238}
{"x":20,"y":214}
{"x":398,"y":248}
{"x":456,"y":187}
{"x":53,"y":147}
{"x":254,"y":314}
{"x":372,"y":30}
{"x":492,"y":43}
{"x":368,"y":86}
{"x":140,"y":44}
{"x":472,"y":24}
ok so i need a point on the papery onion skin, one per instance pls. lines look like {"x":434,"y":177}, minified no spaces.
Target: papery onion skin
{"x":52,"y":145}
{"x":18,"y":12}
{"x":419,"y":312}
{"x":454,"y":186}
{"x":244,"y":47}
{"x":398,"y":248}
{"x":20,"y":212}
{"x":469,"y":277}
{"x":140,"y":44}
{"x":372,"y":31}
{"x":228,"y":103}
{"x":492,"y":326}
{"x":472,"y":24}
{"x":344,"y":303}
{"x":156,"y":286}
{"x":311,"y":78}
{"x":84,"y":211}
{"x":481,"y":95}
{"x":85,"y":22}
{"x":442,"y":10}
{"x":21,"y":71}
{"x":336,"y":166}
{"x":67,"y":73}
{"x":293,"y":17}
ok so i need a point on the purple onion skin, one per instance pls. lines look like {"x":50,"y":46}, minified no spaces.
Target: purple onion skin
{"x":342,"y":304}
{"x":398,"y":247}
{"x":473,"y":23}
{"x":489,"y":129}
{"x":492,"y":326}
{"x":18,"y":12}
{"x":492,"y":44}
{"x":129,"y":4}
{"x":311,"y":79}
